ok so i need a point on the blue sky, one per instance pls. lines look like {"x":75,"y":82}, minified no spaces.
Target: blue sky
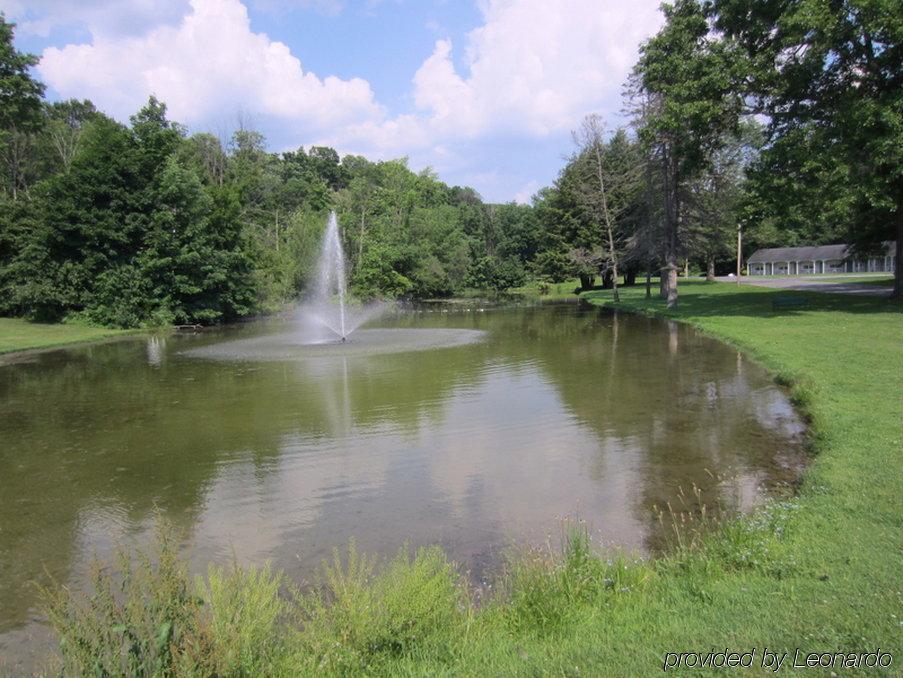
{"x":485,"y":92}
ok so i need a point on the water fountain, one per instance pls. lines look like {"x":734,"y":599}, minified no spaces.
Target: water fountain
{"x":326,"y":315}
{"x":331,"y":282}
{"x":327,"y":323}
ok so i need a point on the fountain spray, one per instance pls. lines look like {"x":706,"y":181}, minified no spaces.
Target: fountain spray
{"x":331,"y":282}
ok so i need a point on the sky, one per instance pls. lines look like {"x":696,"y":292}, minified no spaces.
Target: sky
{"x":485,"y":92}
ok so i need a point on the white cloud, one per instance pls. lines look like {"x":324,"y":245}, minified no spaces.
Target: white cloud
{"x":523,"y":78}
{"x":208,"y":62}
{"x":324,"y":7}
{"x":525,"y":195}
{"x":98,"y":17}
{"x":534,"y":68}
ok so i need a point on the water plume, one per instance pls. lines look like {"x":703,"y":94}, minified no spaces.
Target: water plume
{"x":328,"y":314}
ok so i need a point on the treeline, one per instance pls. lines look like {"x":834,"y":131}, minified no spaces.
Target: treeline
{"x":130,"y":225}
{"x":145,"y":224}
{"x":695,"y":165}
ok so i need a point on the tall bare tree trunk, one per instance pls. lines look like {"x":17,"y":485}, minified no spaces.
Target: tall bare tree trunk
{"x":360,"y":240}
{"x":671,"y":239}
{"x":898,"y":255}
{"x":614,"y":266}
{"x":606,"y":213}
{"x":648,"y":284}
{"x":710,"y":270}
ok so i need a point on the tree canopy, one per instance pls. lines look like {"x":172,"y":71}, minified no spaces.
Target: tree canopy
{"x":783,"y":117}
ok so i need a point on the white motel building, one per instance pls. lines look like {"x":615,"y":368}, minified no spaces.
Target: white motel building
{"x":818,"y":259}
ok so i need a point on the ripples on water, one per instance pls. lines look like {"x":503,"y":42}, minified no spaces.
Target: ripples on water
{"x":506,"y":422}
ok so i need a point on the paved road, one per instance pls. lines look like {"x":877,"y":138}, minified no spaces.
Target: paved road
{"x":837,"y":286}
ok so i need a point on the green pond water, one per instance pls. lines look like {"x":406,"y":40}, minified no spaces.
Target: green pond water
{"x":476,"y":429}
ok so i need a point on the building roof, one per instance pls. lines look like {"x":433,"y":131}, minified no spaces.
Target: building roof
{"x":815,"y":253}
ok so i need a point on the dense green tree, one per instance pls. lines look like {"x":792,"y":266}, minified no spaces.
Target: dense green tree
{"x":65,"y":123}
{"x":87,"y":228}
{"x":827,"y":74}
{"x":607,"y":181}
{"x":194,"y":259}
{"x":688,"y":79}
{"x":20,"y":93}
{"x":520,"y":232}
{"x":797,"y":195}
{"x":715,"y":199}
{"x":20,"y":111}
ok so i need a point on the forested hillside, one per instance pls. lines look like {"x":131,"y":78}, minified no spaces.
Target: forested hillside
{"x":144,"y":223}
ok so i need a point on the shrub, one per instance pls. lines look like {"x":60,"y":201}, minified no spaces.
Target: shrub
{"x":357,"y":619}
{"x":139,"y":622}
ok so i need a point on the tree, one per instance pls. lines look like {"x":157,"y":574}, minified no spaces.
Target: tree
{"x":715,"y":198}
{"x":797,"y":195}
{"x":193,"y":259}
{"x":85,"y":226}
{"x":608,"y":179}
{"x":66,"y":122}
{"x":205,"y":153}
{"x":827,"y":74}
{"x":20,"y":108}
{"x":20,"y":94}
{"x":496,"y":274}
{"x":688,"y":81}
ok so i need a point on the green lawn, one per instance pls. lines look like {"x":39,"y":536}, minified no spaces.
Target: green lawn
{"x":828,"y":575}
{"x":819,"y":572}
{"x":882,"y":281}
{"x":20,"y":335}
{"x":554,"y":291}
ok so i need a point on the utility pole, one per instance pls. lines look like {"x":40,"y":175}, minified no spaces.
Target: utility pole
{"x":739,"y":251}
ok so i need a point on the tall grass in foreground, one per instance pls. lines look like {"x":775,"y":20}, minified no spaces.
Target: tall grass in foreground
{"x":147,"y":617}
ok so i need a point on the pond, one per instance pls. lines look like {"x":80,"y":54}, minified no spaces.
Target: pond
{"x":481,"y":434}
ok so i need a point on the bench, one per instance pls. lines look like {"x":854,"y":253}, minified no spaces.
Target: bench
{"x":789,"y":302}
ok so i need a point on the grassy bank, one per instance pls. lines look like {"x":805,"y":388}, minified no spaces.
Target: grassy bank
{"x":17,"y":334}
{"x":548,"y":291}
{"x":819,"y":572}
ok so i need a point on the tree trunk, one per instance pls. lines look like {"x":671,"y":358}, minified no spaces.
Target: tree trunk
{"x":360,"y":240}
{"x":608,"y":282}
{"x":612,"y":255}
{"x":614,"y":266}
{"x":710,"y":270}
{"x":669,"y":165}
{"x":586,"y":281}
{"x":898,"y":255}
{"x":671,"y":288}
{"x":648,"y":284}
{"x":630,"y":278}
